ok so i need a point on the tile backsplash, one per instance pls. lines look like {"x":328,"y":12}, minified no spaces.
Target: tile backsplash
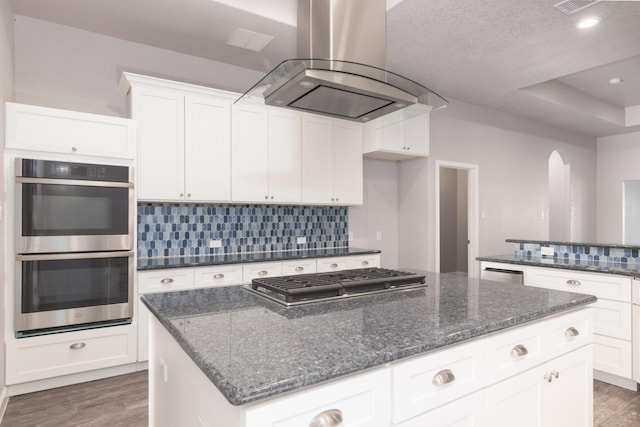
{"x":171,"y":229}
{"x":588,"y":254}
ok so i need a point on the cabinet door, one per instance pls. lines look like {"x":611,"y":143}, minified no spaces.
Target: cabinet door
{"x":160,"y":116}
{"x":347,"y":166}
{"x":207,"y":149}
{"x":249,"y":154}
{"x":317,"y":160}
{"x":415,"y":135}
{"x":389,"y":137}
{"x":284,"y":156}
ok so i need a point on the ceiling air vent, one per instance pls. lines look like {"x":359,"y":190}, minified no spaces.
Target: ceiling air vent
{"x":569,"y":7}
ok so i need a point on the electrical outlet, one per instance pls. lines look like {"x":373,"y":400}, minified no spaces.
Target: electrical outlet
{"x":546,"y":251}
{"x":378,"y":235}
{"x":301,"y":240}
{"x":215,"y":243}
{"x":350,"y":236}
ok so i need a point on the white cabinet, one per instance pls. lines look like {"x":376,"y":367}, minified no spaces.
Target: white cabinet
{"x":348,"y":262}
{"x":183,"y":141}
{"x":398,"y":136}
{"x":260,"y":270}
{"x":48,"y":356}
{"x":68,"y":132}
{"x":331,"y":161}
{"x":556,"y":393}
{"x":265,"y":154}
{"x":612,"y":342}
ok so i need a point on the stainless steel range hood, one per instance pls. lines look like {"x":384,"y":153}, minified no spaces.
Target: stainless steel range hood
{"x":345,"y":77}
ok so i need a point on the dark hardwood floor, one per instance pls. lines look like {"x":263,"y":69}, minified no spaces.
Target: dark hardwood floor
{"x":122,"y":401}
{"x":115,"y":401}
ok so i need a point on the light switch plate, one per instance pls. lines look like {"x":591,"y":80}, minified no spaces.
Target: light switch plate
{"x":301,"y":240}
{"x":546,"y":251}
{"x":215,"y":243}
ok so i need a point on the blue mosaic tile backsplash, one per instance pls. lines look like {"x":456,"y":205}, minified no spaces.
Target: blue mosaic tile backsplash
{"x":583,"y":254}
{"x":169,"y":229}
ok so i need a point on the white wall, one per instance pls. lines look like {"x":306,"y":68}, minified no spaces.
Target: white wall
{"x":618,"y":160}
{"x":512,"y":154}
{"x":378,"y":213}
{"x":63,"y":67}
{"x":6,"y":94}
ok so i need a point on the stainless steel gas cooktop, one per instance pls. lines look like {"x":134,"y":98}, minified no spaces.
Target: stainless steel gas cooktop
{"x":308,"y":288}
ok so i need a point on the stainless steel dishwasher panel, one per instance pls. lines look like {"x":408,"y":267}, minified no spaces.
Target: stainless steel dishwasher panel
{"x":502,"y":275}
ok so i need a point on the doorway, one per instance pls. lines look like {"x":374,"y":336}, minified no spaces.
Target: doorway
{"x":457,"y":218}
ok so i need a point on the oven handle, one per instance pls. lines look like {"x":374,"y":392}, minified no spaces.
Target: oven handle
{"x":74,"y":255}
{"x":23,"y":180}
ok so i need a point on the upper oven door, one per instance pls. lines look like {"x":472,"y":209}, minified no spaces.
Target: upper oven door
{"x":56,"y":215}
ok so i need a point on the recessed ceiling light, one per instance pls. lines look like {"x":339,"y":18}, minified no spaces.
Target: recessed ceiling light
{"x":588,"y":23}
{"x":615,"y":81}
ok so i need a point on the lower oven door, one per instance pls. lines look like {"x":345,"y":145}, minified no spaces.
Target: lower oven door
{"x":72,"y":289}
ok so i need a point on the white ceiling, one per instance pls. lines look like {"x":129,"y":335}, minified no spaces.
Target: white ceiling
{"x":523,"y":57}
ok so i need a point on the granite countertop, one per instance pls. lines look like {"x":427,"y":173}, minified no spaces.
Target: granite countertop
{"x":252,"y":348}
{"x":221,"y":259}
{"x":620,"y":268}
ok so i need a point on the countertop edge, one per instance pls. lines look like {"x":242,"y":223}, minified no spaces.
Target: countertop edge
{"x":540,"y":262}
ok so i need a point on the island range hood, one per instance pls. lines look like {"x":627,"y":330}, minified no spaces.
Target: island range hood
{"x":344,"y":77}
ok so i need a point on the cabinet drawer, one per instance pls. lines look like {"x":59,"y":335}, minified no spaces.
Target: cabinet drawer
{"x":362,"y":400}
{"x":348,"y":262}
{"x":207,"y":277}
{"x":421,"y":384}
{"x":612,"y":355}
{"x":605,"y":286}
{"x":363,"y":261}
{"x":261,"y":270}
{"x":298,"y":267}
{"x":570,"y":331}
{"x":165,"y":280}
{"x":36,"y":358}
{"x":467,"y":411}
{"x":612,"y":318}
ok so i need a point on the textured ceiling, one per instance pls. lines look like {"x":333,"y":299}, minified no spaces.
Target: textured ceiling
{"x":523,"y":57}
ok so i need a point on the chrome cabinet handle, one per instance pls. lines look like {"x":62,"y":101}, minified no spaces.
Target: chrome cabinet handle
{"x":218,"y":276}
{"x":77,"y":346}
{"x":181,"y":194}
{"x":574,"y":282}
{"x":188,"y":194}
{"x":443,"y":377}
{"x":271,"y":197}
{"x":74,"y":150}
{"x":266,"y":197}
{"x":519,"y":351}
{"x":263,"y":273}
{"x":334,"y":265}
{"x":299,"y":269}
{"x":364,"y":263}
{"x":555,"y":374}
{"x":328,"y":418}
{"x":166,"y":280}
{"x":571,"y":332}
{"x":548,"y":377}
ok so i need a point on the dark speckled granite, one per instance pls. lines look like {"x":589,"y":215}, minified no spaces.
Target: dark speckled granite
{"x":567,"y":264}
{"x":559,"y":242}
{"x":252,"y":348}
{"x":202,"y":260}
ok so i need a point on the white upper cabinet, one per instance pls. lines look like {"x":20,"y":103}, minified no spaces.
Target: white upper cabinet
{"x":29,"y":127}
{"x":266,"y":155}
{"x":398,"y":136}
{"x":184,"y":140}
{"x":331,"y":161}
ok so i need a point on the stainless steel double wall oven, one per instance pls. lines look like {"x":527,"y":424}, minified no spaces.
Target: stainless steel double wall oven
{"x":74,"y":245}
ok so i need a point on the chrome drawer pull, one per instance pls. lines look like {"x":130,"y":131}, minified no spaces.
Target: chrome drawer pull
{"x":218,"y":276}
{"x":444,"y":377}
{"x":166,"y":280}
{"x":263,"y":273}
{"x":548,"y":377}
{"x":365,"y":263}
{"x":334,"y":265}
{"x":574,"y":282}
{"x":571,"y":332}
{"x":555,"y":373}
{"x":299,"y":269}
{"x":328,"y":418}
{"x":77,"y":346}
{"x":519,"y":351}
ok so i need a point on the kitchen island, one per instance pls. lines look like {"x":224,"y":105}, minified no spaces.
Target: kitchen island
{"x":227,"y":357}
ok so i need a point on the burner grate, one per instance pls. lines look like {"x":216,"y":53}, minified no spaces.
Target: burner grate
{"x":322,"y":286}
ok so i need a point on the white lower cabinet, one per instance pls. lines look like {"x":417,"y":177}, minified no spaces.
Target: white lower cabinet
{"x":346,"y":263}
{"x":48,"y":356}
{"x":469,"y":411}
{"x":556,"y":393}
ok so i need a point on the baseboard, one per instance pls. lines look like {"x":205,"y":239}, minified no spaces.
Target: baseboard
{"x":615,"y":380}
{"x":4,"y":400}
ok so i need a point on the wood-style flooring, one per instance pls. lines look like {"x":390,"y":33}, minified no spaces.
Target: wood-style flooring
{"x":122,"y":401}
{"x":114,"y":402}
